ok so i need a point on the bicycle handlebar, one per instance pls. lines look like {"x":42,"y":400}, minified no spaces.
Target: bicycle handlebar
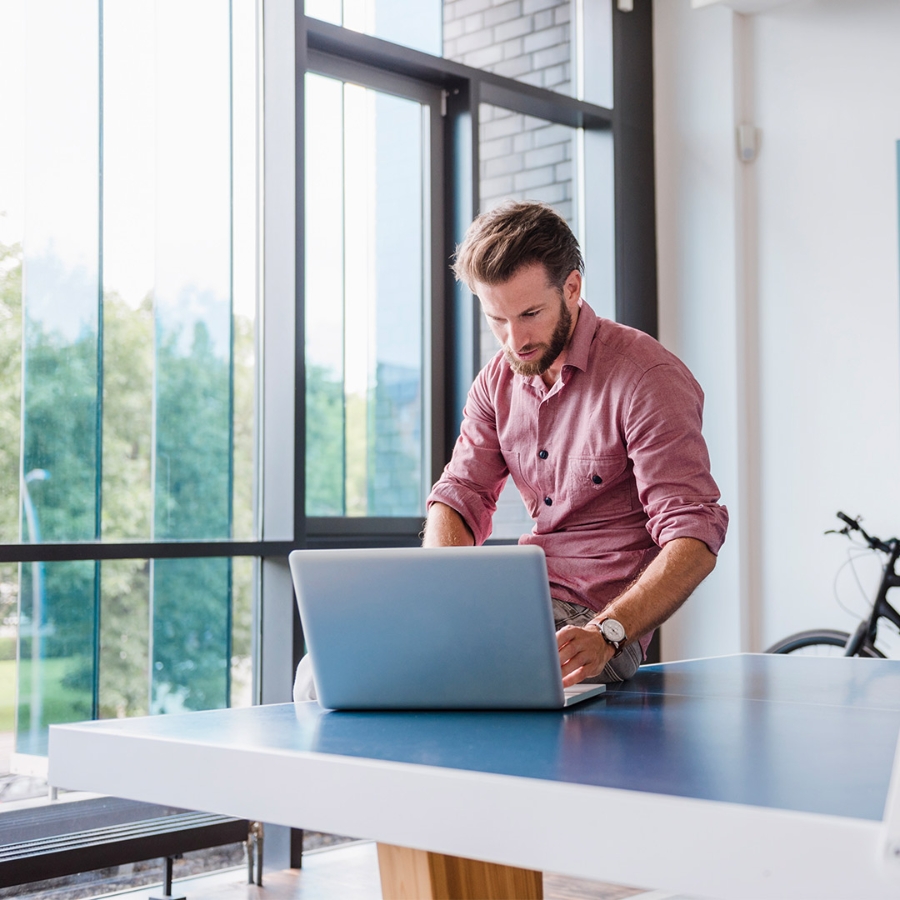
{"x":874,"y":542}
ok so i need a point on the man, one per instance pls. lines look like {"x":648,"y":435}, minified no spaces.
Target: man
{"x":599,"y":427}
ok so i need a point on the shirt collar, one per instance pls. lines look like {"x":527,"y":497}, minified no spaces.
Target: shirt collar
{"x":582,"y":338}
{"x":578,"y":351}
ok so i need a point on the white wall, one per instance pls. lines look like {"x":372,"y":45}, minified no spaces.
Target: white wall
{"x":779,"y":287}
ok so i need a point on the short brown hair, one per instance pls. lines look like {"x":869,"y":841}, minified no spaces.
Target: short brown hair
{"x":515,"y":234}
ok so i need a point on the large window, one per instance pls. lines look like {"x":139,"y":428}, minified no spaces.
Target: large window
{"x":369,"y":176}
{"x":228,"y":327}
{"x":128,"y":238}
{"x":367,"y":157}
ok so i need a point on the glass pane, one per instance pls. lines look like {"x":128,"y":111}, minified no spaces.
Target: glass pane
{"x":128,"y":270}
{"x":324,"y":297}
{"x":87,"y":639}
{"x":57,"y":639}
{"x":192,"y":291}
{"x":594,"y":53}
{"x":128,"y":295}
{"x":12,"y":229}
{"x":416,"y":25}
{"x":191,"y":642}
{"x":61,"y":288}
{"x":59,"y":279}
{"x":201,"y":640}
{"x":124,"y":638}
{"x":365,"y":275}
{"x":179,"y":157}
{"x":244,"y":268}
{"x":244,"y":578}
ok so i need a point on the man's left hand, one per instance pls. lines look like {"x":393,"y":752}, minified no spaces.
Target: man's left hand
{"x":583,"y":653}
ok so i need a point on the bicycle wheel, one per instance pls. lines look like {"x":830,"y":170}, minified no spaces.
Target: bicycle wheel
{"x":820,"y":642}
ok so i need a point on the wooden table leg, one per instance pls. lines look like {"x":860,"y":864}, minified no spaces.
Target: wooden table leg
{"x":419,"y":875}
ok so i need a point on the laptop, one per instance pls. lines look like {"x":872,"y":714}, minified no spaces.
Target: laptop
{"x":415,"y":628}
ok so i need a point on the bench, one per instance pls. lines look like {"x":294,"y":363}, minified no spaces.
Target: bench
{"x":70,"y":837}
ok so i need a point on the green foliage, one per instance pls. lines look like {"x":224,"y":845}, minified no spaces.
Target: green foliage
{"x":7,"y":648}
{"x":60,"y":702}
{"x":127,"y":418}
{"x":10,"y":435}
{"x":190,"y":634}
{"x":57,"y":603}
{"x":244,"y":428}
{"x":8,"y":668}
{"x":324,"y":443}
{"x":127,"y":505}
{"x":204,"y":432}
{"x":10,"y":391}
{"x":59,"y":421}
{"x":67,"y":615}
{"x":243,"y":493}
{"x":193,"y":424}
{"x":124,"y":638}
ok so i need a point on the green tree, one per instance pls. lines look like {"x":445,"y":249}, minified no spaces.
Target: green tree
{"x":191,"y":622}
{"x":127,"y":418}
{"x":243,"y":494}
{"x":10,"y":416}
{"x":127,"y":500}
{"x":204,"y":433}
{"x":10,"y":388}
{"x":324,"y":443}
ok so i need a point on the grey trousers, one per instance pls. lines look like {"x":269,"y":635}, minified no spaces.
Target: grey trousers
{"x":620,"y":668}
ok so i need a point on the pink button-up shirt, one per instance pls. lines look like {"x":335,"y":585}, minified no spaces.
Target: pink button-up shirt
{"x":610,"y":461}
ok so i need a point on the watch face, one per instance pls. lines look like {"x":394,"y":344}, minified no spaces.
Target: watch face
{"x":613,"y":630}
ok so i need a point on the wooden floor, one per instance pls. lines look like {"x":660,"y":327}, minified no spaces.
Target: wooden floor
{"x":350,"y":872}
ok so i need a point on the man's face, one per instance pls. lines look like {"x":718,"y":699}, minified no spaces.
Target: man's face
{"x":532,"y":319}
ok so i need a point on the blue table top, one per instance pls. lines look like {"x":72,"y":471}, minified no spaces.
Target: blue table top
{"x":813,"y":735}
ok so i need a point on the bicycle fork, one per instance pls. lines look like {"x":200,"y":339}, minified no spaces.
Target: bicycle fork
{"x":854,"y":645}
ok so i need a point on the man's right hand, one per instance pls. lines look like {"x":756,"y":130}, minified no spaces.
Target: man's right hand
{"x":583,"y":653}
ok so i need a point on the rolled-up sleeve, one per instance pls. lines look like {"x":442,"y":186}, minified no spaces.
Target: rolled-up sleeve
{"x":471,"y":482}
{"x":671,"y":461}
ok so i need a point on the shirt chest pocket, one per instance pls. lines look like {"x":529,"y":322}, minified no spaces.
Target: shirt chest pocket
{"x":605,"y":481}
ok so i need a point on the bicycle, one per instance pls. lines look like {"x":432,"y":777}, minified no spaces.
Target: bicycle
{"x":828,"y":641}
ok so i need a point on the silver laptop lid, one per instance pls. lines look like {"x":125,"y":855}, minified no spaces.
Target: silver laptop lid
{"x":413,"y":628}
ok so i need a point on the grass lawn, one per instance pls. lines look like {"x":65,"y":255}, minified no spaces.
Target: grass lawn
{"x":7,"y":694}
{"x":61,"y":704}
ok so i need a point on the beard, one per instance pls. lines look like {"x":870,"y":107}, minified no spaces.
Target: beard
{"x":551,"y":350}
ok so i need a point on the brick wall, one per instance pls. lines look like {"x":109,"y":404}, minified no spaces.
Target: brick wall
{"x":528,"y":40}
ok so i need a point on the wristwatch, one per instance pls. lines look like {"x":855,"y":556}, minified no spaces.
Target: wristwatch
{"x":613,"y":632}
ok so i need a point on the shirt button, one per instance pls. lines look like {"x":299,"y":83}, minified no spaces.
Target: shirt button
{"x":548,"y":501}
{"x":596,"y":479}
{"x":543,"y":454}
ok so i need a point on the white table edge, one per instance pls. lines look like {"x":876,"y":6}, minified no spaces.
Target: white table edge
{"x":685,"y":845}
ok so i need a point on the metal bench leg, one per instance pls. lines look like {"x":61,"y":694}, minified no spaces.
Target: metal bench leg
{"x":167,"y":884}
{"x":255,"y":840}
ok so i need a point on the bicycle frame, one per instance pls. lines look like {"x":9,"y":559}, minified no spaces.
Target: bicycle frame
{"x":867,"y":631}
